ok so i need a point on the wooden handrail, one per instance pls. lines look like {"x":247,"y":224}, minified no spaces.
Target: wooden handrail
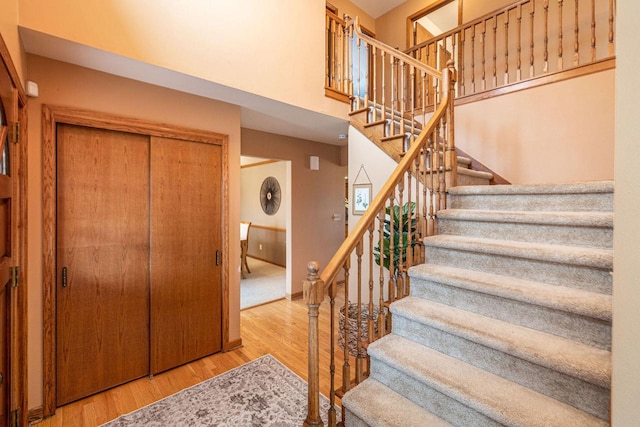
{"x":355,"y":23}
{"x":330,"y":272}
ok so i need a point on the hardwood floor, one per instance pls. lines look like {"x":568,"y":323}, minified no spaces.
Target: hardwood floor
{"x":279,"y":328}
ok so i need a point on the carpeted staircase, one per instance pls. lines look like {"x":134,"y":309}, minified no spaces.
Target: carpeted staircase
{"x":508,"y":322}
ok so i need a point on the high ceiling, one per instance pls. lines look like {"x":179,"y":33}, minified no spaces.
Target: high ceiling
{"x":377,"y":8}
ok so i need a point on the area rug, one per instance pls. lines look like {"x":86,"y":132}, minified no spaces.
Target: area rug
{"x":263,"y":392}
{"x":266,"y":283}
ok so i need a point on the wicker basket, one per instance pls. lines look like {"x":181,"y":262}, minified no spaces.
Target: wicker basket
{"x":353,"y":327}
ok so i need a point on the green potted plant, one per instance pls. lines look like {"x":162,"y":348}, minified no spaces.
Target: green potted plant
{"x":404,"y":235}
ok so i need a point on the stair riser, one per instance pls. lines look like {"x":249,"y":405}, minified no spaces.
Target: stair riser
{"x":352,"y":420}
{"x":599,"y":202}
{"x":534,"y":233}
{"x":583,"y":329}
{"x":573,"y":391}
{"x":574,"y":276}
{"x":472,"y":180}
{"x":439,"y":404}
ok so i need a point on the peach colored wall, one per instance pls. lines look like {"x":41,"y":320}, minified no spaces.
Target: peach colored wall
{"x":9,"y":32}
{"x":64,"y":84}
{"x":561,"y":132}
{"x":315,"y":197}
{"x":345,"y":6}
{"x":271,"y":48}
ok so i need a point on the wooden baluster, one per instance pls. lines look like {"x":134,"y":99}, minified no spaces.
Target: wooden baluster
{"x":545,"y":68}
{"x":346,"y":367}
{"x":328,"y":59}
{"x":432,"y":181}
{"x":576,"y":45}
{"x":495,"y":51}
{"x":394,"y":88}
{"x":593,"y":30}
{"x":611,"y":28}
{"x":403,"y":102}
{"x":428,"y":81}
{"x":400,"y":268}
{"x":359,"y":78}
{"x":454,"y":55}
{"x":349,"y":57}
{"x":483,"y":41}
{"x":408,"y":253}
{"x":560,"y":35}
{"x":419,"y":225}
{"x":333,"y":290}
{"x":384,"y":87}
{"x":382,"y":318}
{"x":461,"y":63}
{"x":359,"y":370}
{"x":313,"y":290}
{"x":392,"y":281}
{"x":519,"y":48}
{"x":412,"y":101}
{"x":370,"y":323}
{"x":374,"y":83}
{"x":473,"y":59}
{"x":451,"y":156}
{"x":506,"y":47}
{"x":531,"y":42}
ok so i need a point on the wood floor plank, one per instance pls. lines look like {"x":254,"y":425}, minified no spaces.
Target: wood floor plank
{"x":278,"y":328}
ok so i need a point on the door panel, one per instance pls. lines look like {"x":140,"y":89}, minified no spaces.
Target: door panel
{"x":103,"y":253}
{"x":8,"y":302}
{"x":186,"y":297}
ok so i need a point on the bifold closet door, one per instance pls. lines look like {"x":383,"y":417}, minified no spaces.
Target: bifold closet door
{"x":102,"y":260}
{"x":186,"y":307}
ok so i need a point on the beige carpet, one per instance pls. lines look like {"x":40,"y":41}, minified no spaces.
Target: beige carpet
{"x":265,"y":283}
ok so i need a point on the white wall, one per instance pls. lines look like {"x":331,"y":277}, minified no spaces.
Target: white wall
{"x":626,"y":246}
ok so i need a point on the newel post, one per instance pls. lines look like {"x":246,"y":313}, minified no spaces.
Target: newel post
{"x":313,"y":289}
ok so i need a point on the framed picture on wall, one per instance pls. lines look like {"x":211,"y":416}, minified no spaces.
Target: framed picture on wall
{"x":361,"y":198}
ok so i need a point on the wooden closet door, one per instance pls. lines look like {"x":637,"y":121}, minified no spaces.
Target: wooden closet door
{"x":102,"y":260}
{"x":186,"y":297}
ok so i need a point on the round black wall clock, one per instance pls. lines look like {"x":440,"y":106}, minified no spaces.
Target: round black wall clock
{"x":270,"y":195}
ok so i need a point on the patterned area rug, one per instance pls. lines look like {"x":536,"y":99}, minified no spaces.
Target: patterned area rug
{"x":260,"y":393}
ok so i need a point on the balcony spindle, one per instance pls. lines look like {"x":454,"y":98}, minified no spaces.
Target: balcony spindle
{"x":483,"y":41}
{"x":374,"y":67}
{"x":461,"y":62}
{"x":384,"y":87}
{"x":611,"y":27}
{"x":473,"y":59}
{"x":593,"y":30}
{"x":495,"y":51}
{"x":576,"y":44}
{"x":532,"y":40}
{"x":506,"y":47}
{"x":519,"y":47}
{"x":545,"y":68}
{"x":560,"y":35}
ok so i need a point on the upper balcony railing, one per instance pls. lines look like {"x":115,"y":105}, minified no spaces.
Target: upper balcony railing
{"x":521,"y":44}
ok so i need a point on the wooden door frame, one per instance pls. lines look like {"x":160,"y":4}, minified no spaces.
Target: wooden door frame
{"x":18,"y":317}
{"x":51,"y":116}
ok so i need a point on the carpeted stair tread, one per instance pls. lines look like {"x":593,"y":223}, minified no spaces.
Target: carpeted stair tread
{"x":582,"y":256}
{"x":577,"y":219}
{"x":570,"y":300}
{"x":502,"y":400}
{"x":559,"y":354}
{"x":377,"y":405}
{"x":571,"y":188}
